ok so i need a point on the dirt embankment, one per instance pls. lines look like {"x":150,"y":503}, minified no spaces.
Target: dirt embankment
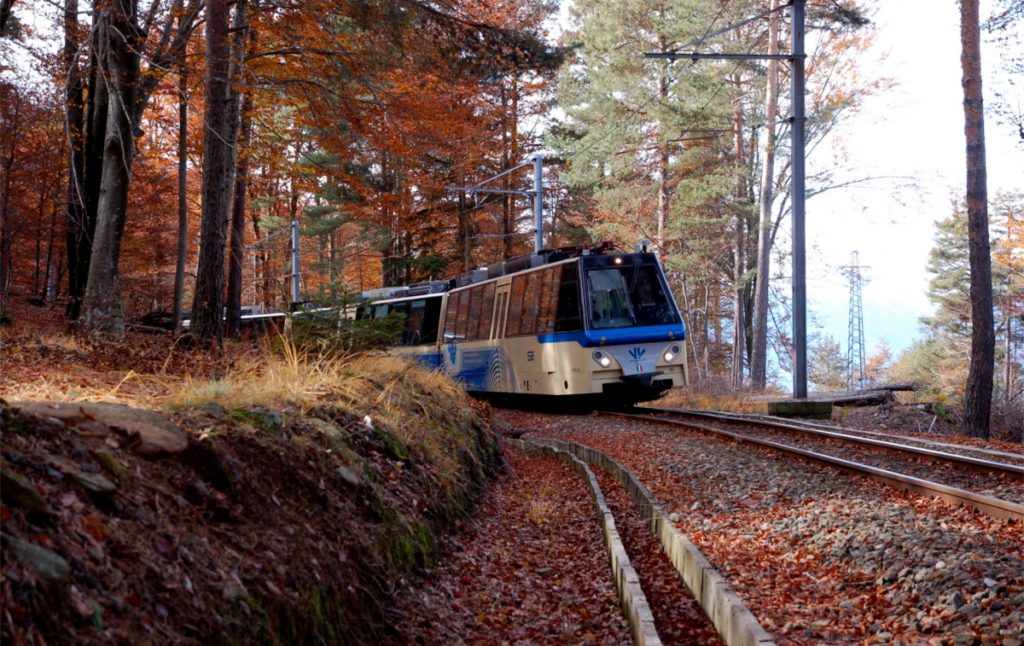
{"x":214,"y":524}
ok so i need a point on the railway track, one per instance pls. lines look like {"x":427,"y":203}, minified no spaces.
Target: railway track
{"x":993,"y":487}
{"x":960,"y":449}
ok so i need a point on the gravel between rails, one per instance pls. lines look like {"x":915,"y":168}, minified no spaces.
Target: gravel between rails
{"x":817,"y":554}
{"x":530,"y":568}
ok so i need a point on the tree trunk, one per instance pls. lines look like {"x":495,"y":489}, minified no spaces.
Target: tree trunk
{"x":739,"y":258}
{"x":37,"y":274}
{"x":179,"y":266}
{"x":662,"y":215}
{"x":759,"y":352}
{"x":47,"y":294}
{"x":5,"y":14}
{"x":80,"y":223}
{"x":978,"y":399}
{"x":507,"y":200}
{"x":238,"y":221}
{"x":120,"y":58}
{"x":5,"y":238}
{"x":463,"y":233}
{"x":208,"y":305}
{"x":239,"y":122}
{"x":1008,"y":344}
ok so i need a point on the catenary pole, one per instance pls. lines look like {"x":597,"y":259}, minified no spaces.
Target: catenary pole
{"x":538,"y":203}
{"x":537,"y":193}
{"x":799,"y":240}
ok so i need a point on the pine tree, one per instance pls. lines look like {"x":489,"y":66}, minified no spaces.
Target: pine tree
{"x":978,"y":399}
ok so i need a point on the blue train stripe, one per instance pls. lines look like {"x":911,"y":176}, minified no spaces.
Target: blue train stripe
{"x":617,"y":336}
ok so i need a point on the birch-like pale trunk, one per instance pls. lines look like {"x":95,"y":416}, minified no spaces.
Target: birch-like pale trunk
{"x":759,"y":351}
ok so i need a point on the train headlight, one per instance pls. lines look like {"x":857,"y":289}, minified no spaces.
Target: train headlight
{"x":671,"y":353}
{"x":602,"y":359}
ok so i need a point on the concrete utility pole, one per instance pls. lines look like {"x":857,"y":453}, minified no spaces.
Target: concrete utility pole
{"x":537,"y":192}
{"x":797,"y":193}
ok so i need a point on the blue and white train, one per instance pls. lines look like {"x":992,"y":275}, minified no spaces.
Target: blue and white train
{"x":588,"y":326}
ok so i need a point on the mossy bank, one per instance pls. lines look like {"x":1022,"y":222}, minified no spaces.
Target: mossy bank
{"x":285,"y":522}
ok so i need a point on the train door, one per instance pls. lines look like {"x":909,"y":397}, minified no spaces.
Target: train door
{"x":500,"y":312}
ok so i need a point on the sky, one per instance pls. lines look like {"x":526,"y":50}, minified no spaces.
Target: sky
{"x":914,"y":130}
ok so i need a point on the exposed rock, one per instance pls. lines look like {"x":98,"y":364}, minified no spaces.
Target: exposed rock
{"x":48,"y":565}
{"x":149,"y":433}
{"x":19,"y":492}
{"x":350,"y":477}
{"x":93,"y":482}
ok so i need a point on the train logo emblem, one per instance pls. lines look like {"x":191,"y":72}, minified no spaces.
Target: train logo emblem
{"x":453,"y":355}
{"x":637,"y":354}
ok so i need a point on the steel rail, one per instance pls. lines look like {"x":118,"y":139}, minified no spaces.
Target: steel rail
{"x":991,"y":506}
{"x":942,"y":456}
{"x":758,"y":418}
{"x":923,"y":440}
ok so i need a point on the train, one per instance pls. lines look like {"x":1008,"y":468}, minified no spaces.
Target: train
{"x":583,"y":326}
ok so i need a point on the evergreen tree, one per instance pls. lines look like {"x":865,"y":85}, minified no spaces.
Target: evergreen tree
{"x":827,"y":365}
{"x":949,"y":328}
{"x":978,"y":399}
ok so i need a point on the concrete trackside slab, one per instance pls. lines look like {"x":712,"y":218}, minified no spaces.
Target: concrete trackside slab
{"x":733,"y":620}
{"x":631,"y":596}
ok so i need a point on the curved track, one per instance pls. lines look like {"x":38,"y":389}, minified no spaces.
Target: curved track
{"x":995,"y":488}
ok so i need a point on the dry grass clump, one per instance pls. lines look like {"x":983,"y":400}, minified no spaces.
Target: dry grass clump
{"x":270,"y":378}
{"x":715,"y":395}
{"x":421,"y":407}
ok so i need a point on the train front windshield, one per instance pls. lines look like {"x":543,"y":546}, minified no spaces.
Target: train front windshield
{"x":628,"y":295}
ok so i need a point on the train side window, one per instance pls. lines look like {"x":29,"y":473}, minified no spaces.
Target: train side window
{"x":476,"y":301}
{"x":462,"y":315}
{"x":483,"y":327}
{"x":421,"y":321}
{"x":531,"y":304}
{"x":548,"y":300}
{"x":451,"y":316}
{"x":499,"y":314}
{"x":515,"y":305}
{"x":431,"y":317}
{"x":568,"y":318}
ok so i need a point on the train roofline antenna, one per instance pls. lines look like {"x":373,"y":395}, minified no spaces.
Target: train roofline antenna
{"x":796,"y":59}
{"x":537,"y":192}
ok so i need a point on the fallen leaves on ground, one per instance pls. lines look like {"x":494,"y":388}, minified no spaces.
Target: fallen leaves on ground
{"x":817,"y":554}
{"x":531,"y":568}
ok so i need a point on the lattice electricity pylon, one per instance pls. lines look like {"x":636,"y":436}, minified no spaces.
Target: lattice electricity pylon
{"x":855,"y":337}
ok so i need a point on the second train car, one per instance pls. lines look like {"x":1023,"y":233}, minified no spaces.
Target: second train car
{"x":583,"y":325}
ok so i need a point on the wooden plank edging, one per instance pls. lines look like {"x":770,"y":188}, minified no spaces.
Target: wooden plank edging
{"x":627,"y":583}
{"x":733,"y":620}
